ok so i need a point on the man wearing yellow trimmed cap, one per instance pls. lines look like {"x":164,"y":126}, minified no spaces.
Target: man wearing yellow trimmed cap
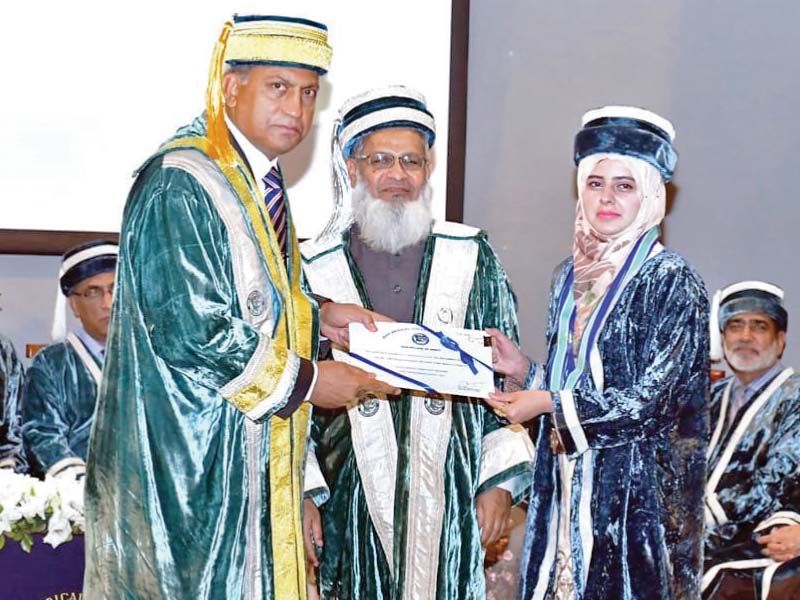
{"x":194,"y":473}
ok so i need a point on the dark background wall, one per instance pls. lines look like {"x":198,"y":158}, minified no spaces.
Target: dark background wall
{"x":725,"y":73}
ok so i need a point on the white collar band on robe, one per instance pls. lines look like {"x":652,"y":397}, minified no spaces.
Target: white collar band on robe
{"x":259,"y":162}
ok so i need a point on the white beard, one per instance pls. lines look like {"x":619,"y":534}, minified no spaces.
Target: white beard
{"x":747,"y":362}
{"x":391,"y":225}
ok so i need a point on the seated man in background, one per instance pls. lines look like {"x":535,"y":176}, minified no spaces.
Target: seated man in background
{"x":754,"y":452}
{"x":417,"y":484}
{"x":11,"y":456}
{"x":61,"y":386}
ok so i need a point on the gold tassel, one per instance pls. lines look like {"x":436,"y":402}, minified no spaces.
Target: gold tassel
{"x":220,"y":145}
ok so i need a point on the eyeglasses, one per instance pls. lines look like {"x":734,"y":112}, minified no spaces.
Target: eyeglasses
{"x":95,"y":292}
{"x":756,"y":326}
{"x":410,"y":161}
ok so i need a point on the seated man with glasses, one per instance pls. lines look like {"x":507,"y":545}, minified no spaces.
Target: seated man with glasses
{"x":61,"y":385}
{"x":753,"y":492}
{"x":409,"y":488}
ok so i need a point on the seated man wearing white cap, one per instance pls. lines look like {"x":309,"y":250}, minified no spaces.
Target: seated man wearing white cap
{"x":414,"y":485}
{"x":753,"y":489}
{"x":61,"y":386}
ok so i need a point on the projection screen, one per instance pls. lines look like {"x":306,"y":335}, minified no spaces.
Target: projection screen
{"x":90,"y":94}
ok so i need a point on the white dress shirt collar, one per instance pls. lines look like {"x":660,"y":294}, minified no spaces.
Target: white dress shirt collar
{"x":259,"y":162}
{"x":97,"y":349}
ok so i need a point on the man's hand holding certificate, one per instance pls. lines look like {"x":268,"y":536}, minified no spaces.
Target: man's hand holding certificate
{"x":438,"y":361}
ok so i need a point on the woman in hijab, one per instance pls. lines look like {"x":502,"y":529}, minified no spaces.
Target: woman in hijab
{"x":616,"y":506}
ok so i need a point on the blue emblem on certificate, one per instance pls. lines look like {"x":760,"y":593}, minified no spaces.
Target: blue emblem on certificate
{"x":420,"y":339}
{"x":417,"y":357}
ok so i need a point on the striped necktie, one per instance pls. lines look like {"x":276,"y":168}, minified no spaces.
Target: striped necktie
{"x":276,"y":207}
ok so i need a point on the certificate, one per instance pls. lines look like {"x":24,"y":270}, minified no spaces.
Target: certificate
{"x":409,"y":356}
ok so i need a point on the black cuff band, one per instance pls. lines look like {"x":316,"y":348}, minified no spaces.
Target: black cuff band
{"x":304,"y":378}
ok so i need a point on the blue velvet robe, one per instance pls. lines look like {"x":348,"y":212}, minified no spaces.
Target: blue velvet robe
{"x":480,"y":452}
{"x":643,"y":458}
{"x":59,"y":399}
{"x":753,"y":480}
{"x":11,"y":455}
{"x":193,"y":484}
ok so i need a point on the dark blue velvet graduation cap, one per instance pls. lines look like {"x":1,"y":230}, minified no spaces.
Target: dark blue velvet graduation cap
{"x":753,"y":296}
{"x":391,"y":106}
{"x":629,"y":131}
{"x":86,"y":260}
{"x":744,"y":297}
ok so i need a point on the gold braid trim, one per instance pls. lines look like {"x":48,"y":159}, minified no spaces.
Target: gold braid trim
{"x":220,"y":148}
{"x":286,"y":28}
{"x":279,"y":48}
{"x":287,"y":436}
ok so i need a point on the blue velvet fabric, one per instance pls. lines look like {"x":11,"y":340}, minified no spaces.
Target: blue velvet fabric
{"x":58,"y":405}
{"x":11,"y":455}
{"x":94,"y":265}
{"x":630,"y":141}
{"x":647,"y":433}
{"x":761,"y":477}
{"x":753,"y":301}
{"x":349,"y":148}
{"x":278,"y":19}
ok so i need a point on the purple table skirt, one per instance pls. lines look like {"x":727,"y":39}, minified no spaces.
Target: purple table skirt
{"x":44,"y":574}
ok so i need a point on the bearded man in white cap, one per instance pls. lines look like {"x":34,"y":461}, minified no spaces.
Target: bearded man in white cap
{"x":61,"y":386}
{"x":753,"y":492}
{"x":410,"y":487}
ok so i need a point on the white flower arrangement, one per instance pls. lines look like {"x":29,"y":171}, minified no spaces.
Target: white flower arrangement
{"x":29,"y":505}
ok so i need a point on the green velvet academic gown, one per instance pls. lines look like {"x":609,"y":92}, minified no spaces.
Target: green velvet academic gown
{"x":403,"y":474}
{"x":58,"y":406}
{"x":193,"y":480}
{"x":11,"y":455}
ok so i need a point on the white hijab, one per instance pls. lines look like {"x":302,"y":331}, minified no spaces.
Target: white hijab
{"x":597,"y":258}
